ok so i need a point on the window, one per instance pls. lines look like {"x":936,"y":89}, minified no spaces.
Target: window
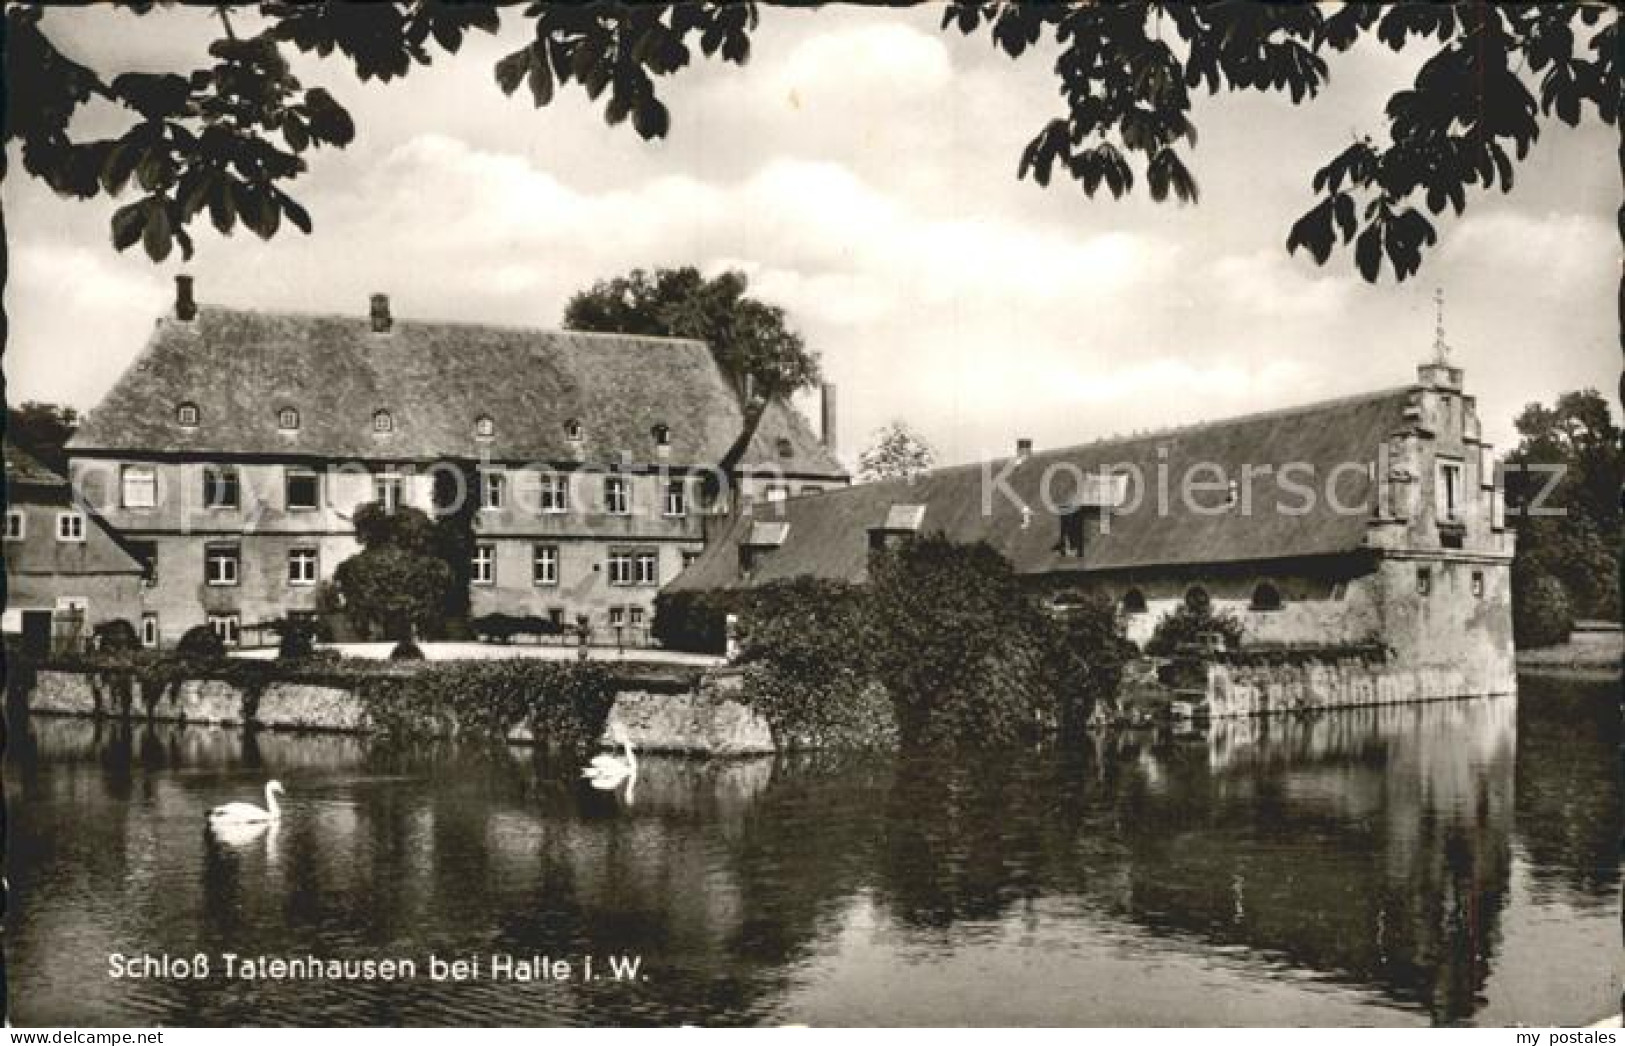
{"x":690,"y":557}
{"x":221,"y":488}
{"x":302,"y":566}
{"x":1197,"y":600}
{"x":555,"y":617}
{"x":662,"y":435}
{"x":617,"y":617}
{"x":1478,"y":584}
{"x":777,"y":492}
{"x":493,"y":489}
{"x":617,"y":495}
{"x":220,"y":564}
{"x":388,"y":490}
{"x":287,"y":419}
{"x":634,"y":615}
{"x":786,"y":448}
{"x":149,"y":630}
{"x":139,"y":486}
{"x":485,"y":565}
{"x":187,"y":415}
{"x":302,"y":490}
{"x":648,"y":564}
{"x":811,"y":488}
{"x":383,"y":421}
{"x":70,"y":526}
{"x":16,"y":525}
{"x":620,"y":568}
{"x":676,"y":498}
{"x":555,"y":493}
{"x":1424,"y":581}
{"x":573,"y":431}
{"x":1448,"y":491}
{"x":544,"y":565}
{"x":228,"y":627}
{"x":484,"y":427}
{"x":1266,"y":597}
{"x":1133,"y":601}
{"x":145,"y":553}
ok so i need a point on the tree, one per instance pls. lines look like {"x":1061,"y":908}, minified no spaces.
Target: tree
{"x":226,"y":137}
{"x":895,"y":452}
{"x":43,"y":429}
{"x":1569,"y":530}
{"x":395,"y":584}
{"x":749,"y":338}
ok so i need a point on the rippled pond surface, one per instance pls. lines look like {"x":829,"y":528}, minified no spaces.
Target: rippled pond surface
{"x":1445,"y":863}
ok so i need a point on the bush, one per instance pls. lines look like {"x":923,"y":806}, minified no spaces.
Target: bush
{"x":1089,"y":655}
{"x":296,"y":637}
{"x":806,"y":671}
{"x":201,"y":641}
{"x":1183,"y":624}
{"x":563,"y":703}
{"x":502,"y":628}
{"x":1541,"y":615}
{"x":694,"y":621}
{"x":964,"y":651}
{"x":117,"y":634}
{"x":406,"y":650}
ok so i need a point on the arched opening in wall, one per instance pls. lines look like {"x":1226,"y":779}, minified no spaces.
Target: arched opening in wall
{"x":1266,"y":597}
{"x":1197,"y":601}
{"x":1133,"y":601}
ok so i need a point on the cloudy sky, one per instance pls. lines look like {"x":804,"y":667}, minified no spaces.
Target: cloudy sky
{"x":862,"y":169}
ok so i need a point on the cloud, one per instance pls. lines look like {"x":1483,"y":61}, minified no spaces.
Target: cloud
{"x":860,"y":62}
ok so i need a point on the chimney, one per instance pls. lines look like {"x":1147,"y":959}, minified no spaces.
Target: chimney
{"x":185,"y":304}
{"x":826,"y":426}
{"x":381,"y":320}
{"x":1024,"y":449}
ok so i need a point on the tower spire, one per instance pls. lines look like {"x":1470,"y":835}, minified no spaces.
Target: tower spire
{"x":1441,"y":349}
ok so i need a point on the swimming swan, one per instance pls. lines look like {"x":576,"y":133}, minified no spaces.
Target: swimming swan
{"x":248,"y":813}
{"x":608,"y":771}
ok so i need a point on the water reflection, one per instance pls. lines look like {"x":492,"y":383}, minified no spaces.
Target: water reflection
{"x":1380,"y":866}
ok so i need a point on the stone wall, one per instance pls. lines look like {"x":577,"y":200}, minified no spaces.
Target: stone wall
{"x":1264,"y":689}
{"x":707,"y":722}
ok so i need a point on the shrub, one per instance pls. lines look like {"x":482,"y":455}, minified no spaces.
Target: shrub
{"x":502,"y":628}
{"x":406,"y":650}
{"x":1184,"y":623}
{"x":1089,"y":655}
{"x":201,"y":641}
{"x":1541,"y":615}
{"x":960,"y":646}
{"x":806,"y":671}
{"x":562,"y":703}
{"x":694,"y":621}
{"x":117,"y":634}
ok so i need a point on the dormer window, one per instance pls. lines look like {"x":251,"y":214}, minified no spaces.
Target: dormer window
{"x":573,"y":431}
{"x":786,"y":448}
{"x":662,"y":435}
{"x":383,"y":421}
{"x":484,"y":427}
{"x":186,"y":415}
{"x":287,"y":419}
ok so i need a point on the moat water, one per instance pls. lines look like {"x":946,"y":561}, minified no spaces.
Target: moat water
{"x":1446,"y":863}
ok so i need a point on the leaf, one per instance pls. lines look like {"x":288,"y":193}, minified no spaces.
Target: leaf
{"x":540,"y":79}
{"x":511,"y":71}
{"x":296,"y":213}
{"x":650,"y":118}
{"x":128,"y":223}
{"x":1343,"y":211}
{"x":157,"y":238}
{"x":222,"y":211}
{"x":1368,"y":252}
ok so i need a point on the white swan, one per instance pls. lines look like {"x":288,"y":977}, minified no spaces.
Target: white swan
{"x":607,"y":771}
{"x":248,"y":813}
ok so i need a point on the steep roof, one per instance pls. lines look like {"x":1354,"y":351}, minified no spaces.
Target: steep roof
{"x":25,"y":469}
{"x":828,"y":534}
{"x":242,"y":367}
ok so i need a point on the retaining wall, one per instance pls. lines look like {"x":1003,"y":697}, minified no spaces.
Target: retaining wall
{"x":1262,"y":689}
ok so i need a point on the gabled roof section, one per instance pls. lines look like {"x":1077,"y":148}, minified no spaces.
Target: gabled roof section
{"x":241,"y":367}
{"x":1002,"y":502}
{"x":24,"y":469}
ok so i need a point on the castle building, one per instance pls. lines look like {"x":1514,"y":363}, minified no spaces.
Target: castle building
{"x":234,"y":450}
{"x":65,"y":570}
{"x":1369,"y":519}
